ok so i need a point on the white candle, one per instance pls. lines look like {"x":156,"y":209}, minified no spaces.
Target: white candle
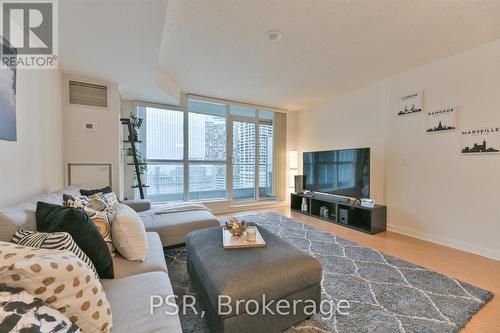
{"x":251,"y":234}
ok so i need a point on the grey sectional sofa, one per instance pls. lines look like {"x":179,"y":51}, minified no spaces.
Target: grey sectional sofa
{"x":174,"y":227}
{"x":130,"y":292}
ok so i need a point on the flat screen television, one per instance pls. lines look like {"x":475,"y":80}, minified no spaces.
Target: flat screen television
{"x":344,"y":172}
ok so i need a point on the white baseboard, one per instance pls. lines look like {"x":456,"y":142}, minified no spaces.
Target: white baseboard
{"x":459,"y":245}
{"x":242,"y":207}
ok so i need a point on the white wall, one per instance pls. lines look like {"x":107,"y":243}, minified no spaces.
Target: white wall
{"x":33,"y":165}
{"x":434,"y":192}
{"x":356,"y":120}
{"x":431,"y":190}
{"x":101,"y":145}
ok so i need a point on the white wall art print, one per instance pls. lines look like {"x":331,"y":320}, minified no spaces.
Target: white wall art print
{"x":443,"y":120}
{"x":480,"y":140}
{"x":411,"y":103}
{"x":8,"y":129}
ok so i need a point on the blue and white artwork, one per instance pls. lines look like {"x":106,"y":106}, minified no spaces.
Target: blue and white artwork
{"x":7,"y":95}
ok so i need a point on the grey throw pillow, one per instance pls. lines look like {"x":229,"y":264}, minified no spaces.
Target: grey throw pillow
{"x":129,"y":233}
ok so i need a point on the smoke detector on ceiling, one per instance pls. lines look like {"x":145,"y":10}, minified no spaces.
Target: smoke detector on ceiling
{"x":274,"y":35}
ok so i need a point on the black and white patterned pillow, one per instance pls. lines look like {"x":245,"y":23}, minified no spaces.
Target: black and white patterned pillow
{"x":95,"y":202}
{"x":110,"y":198}
{"x":21,"y":312}
{"x":52,"y":241}
{"x":102,"y":221}
{"x":99,"y":203}
{"x":99,"y":209}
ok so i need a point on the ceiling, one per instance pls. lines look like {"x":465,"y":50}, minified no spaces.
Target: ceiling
{"x":219,"y":48}
{"x":116,"y":41}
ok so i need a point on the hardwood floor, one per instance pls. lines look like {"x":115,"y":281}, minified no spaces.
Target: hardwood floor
{"x":479,"y":271}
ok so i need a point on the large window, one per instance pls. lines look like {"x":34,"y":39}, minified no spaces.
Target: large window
{"x":210,"y":151}
{"x":244,"y":155}
{"x":162,"y":146}
{"x":207,"y":155}
{"x":266,"y":189}
{"x":207,"y":131}
{"x":166,"y":182}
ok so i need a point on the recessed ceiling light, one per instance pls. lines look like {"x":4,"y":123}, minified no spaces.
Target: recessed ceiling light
{"x":274,"y":35}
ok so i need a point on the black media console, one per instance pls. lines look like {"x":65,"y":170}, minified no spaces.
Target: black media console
{"x":342,"y":212}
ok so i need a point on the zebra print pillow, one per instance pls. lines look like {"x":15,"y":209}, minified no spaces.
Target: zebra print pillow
{"x":51,"y":241}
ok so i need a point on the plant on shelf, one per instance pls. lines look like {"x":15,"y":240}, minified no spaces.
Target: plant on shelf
{"x":129,"y":155}
{"x":136,"y":124}
{"x":143,"y":167}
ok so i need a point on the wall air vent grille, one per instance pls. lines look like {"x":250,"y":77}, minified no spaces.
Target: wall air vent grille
{"x":88,"y":94}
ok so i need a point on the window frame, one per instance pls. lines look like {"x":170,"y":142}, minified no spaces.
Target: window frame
{"x":266,"y":122}
{"x":186,"y":162}
{"x":143,"y":144}
{"x":231,"y":165}
{"x":257,"y":120}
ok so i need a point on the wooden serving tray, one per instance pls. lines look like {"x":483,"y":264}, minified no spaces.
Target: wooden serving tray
{"x":233,"y":242}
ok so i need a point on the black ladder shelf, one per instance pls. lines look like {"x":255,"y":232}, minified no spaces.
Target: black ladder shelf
{"x":132,"y":141}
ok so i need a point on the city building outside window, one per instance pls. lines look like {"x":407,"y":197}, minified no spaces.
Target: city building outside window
{"x":211,"y":151}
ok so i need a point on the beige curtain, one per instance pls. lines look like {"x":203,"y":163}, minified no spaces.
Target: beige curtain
{"x":280,"y":155}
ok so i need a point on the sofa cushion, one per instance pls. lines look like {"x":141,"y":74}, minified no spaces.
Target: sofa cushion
{"x":21,"y":312}
{"x":139,"y":205}
{"x":129,"y":234}
{"x":103,"y":190}
{"x":99,"y":212}
{"x":110,"y":198}
{"x":52,"y":241}
{"x":23,"y":214}
{"x":155,"y":260}
{"x":55,"y":218}
{"x":73,"y":190}
{"x":130,"y":299}
{"x":13,"y":219}
{"x":102,"y":221}
{"x":173,"y":227}
{"x":61,"y":280}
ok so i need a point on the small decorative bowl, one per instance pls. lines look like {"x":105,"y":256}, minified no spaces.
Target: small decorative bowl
{"x":235,"y":227}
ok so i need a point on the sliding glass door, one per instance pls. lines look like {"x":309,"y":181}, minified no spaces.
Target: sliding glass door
{"x":209,"y":151}
{"x":244,"y":154}
{"x":266,"y":152}
{"x":252,"y":154}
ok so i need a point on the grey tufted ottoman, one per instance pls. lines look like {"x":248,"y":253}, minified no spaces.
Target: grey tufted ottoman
{"x":279,"y":272}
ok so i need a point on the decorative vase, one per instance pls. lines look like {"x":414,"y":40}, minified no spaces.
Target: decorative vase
{"x":235,"y":227}
{"x":304,"y":206}
{"x":251,"y":234}
{"x":143,"y":179}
